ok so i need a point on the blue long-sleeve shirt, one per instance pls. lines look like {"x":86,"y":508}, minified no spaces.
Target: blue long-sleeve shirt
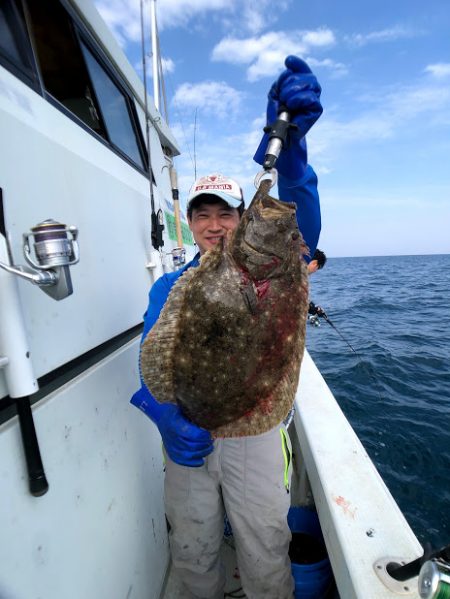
{"x":305,"y":195}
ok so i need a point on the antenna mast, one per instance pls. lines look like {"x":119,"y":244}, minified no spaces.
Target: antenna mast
{"x":155,"y":53}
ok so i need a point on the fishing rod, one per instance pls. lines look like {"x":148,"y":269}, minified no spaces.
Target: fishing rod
{"x":278,"y":132}
{"x":407,"y":571}
{"x":325,"y":316}
{"x":157,"y":218}
{"x":277,"y":137}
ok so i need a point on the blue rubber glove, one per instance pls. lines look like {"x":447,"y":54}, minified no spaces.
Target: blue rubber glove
{"x":297,"y":91}
{"x":185,"y":442}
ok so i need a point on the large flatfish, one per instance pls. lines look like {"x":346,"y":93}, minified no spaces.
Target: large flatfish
{"x":228,"y":343}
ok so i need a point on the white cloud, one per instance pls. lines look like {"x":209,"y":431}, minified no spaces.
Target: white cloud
{"x":336,"y":69}
{"x":319,"y":37}
{"x":257,"y":15}
{"x":383,"y":116}
{"x":439,"y":70}
{"x":265,"y":54}
{"x":123,"y":17}
{"x":168,"y":66}
{"x":245,"y":15}
{"x":179,"y":13}
{"x":384,"y":35}
{"x":215,"y":97}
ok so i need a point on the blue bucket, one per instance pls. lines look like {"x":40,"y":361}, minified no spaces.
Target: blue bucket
{"x":311,"y":567}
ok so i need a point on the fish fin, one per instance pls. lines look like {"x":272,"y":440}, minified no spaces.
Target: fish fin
{"x":159,"y":346}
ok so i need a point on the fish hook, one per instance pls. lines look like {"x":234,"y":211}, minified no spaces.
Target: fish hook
{"x":273,"y":174}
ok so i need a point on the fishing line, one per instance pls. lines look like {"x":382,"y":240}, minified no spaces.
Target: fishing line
{"x":340,"y":334}
{"x":360,"y":359}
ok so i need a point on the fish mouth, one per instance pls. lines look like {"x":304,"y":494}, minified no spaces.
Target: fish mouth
{"x":248,"y":245}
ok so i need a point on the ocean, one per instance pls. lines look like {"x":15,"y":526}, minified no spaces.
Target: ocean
{"x":394,"y":312}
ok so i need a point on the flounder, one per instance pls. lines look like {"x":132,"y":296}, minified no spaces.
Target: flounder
{"x":228,"y":344}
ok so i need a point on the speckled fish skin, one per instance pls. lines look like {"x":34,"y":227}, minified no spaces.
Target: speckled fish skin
{"x":228,"y":344}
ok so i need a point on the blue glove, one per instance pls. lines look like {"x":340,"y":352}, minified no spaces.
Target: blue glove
{"x":297,"y":91}
{"x":185,"y":442}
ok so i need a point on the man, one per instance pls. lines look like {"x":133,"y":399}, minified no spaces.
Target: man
{"x":317,"y":262}
{"x":248,"y":477}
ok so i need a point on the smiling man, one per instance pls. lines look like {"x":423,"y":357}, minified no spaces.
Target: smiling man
{"x":246,"y":476}
{"x":214,"y":207}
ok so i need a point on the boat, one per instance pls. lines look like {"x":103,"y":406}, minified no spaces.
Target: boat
{"x":86,"y":207}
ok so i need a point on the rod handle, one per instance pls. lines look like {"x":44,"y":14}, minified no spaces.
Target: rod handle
{"x":37,"y":480}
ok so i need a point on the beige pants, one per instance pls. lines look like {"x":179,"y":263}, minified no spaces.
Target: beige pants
{"x":249,"y":477}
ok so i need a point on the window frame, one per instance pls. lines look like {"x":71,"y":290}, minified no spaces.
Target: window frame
{"x":35,"y":81}
{"x":82,"y":33}
{"x":29,"y":76}
{"x":127,"y":94}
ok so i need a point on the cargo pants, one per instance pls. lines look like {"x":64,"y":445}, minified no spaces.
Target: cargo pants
{"x":249,"y":477}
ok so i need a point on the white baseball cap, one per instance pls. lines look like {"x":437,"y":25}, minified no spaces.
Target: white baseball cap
{"x":216,"y":184}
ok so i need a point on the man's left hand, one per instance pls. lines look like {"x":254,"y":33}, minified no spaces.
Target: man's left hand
{"x":297,"y":91}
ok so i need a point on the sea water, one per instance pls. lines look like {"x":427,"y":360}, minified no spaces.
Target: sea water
{"x":394,"y":311}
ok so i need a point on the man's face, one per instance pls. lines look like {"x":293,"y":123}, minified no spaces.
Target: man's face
{"x":313,"y":266}
{"x":210,"y":222}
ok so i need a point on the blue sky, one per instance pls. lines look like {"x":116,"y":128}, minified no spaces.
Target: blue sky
{"x":382,"y":146}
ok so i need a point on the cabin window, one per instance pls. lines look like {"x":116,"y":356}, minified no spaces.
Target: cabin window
{"x":15,"y":48}
{"x":61,"y":63}
{"x":74,"y":75}
{"x":115,"y":109}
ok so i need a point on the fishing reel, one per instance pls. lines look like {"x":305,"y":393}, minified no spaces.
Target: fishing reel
{"x":432,"y":568}
{"x":314,"y":320}
{"x":178,"y":257}
{"x":52,"y":250}
{"x":434,"y":579}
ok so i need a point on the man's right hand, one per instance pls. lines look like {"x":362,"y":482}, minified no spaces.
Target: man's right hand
{"x":315,"y":310}
{"x":185,"y":442}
